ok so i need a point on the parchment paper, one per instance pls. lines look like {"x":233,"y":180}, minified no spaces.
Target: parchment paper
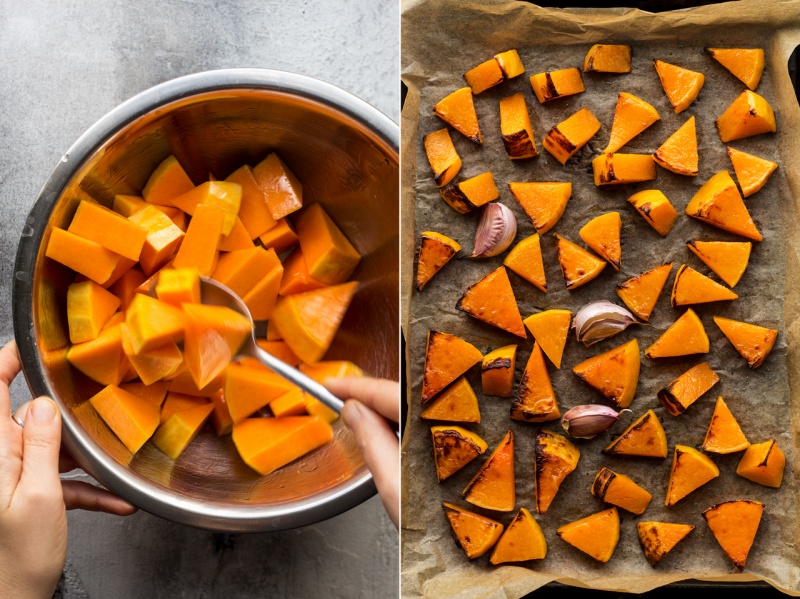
{"x":441,"y":40}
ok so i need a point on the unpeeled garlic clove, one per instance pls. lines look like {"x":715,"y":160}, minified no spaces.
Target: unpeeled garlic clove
{"x":601,"y":320}
{"x":589,"y":420}
{"x":496,"y":230}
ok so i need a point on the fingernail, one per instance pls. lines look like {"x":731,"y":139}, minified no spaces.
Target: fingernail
{"x":43,"y":409}
{"x":351,"y":413}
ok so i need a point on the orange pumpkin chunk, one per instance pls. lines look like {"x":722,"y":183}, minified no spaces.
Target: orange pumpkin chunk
{"x":319,"y":371}
{"x":155,"y":364}
{"x":570,"y":135}
{"x":296,"y":277}
{"x":728,"y":259}
{"x":280,"y":350}
{"x":659,"y":538}
{"x":656,"y":209}
{"x":719,"y":204}
{"x":85,"y":257}
{"x":724,"y":435}
{"x":525,"y":259}
{"x":89,"y":307}
{"x":237,"y":239}
{"x":596,"y":535}
{"x":435,"y":250}
{"x":154,"y":393}
{"x":179,"y":286}
{"x":453,"y":448}
{"x":550,"y":329}
{"x":552,"y":85}
{"x":687,"y":388}
{"x":280,"y":237}
{"x":492,"y":300}
{"x":753,"y":342}
{"x":447,"y":357}
{"x":282,"y":190}
{"x":163,"y":238}
{"x":632,"y":115}
{"x":114,"y":232}
{"x":492,"y":487}
{"x":168,"y":181}
{"x":621,"y":491}
{"x":101,"y":359}
{"x":263,"y":296}
{"x":577,"y":265}
{"x":751,"y":171}
{"x":684,"y":337}
{"x":763,"y":463}
{"x":608,"y":58}
{"x":442,"y":156}
{"x":174,"y":435}
{"x":515,"y":128}
{"x":746,"y":64}
{"x":458,"y":111}
{"x":602,"y":234}
{"x":523,"y":540}
{"x":224,"y":195}
{"x":471,"y":193}
{"x":645,"y":437}
{"x":266,"y":444}
{"x":735,"y":524}
{"x":692,"y":287}
{"x":291,"y":403}
{"x":485,"y":75}
{"x":691,"y":469}
{"x":615,"y":373}
{"x":681,"y":85}
{"x":555,"y":457}
{"x":254,"y":212}
{"x":679,"y":153}
{"x":248,"y":389}
{"x":620,"y":169}
{"x":152,"y":323}
{"x":497,"y":371}
{"x":457,"y":403}
{"x":126,"y":205}
{"x":641,"y":292}
{"x":543,"y":202}
{"x":126,"y":286}
{"x":748,"y":115}
{"x":535,"y":400}
{"x":201,"y":242}
{"x":474,"y":533}
{"x":184,"y":383}
{"x":510,"y":63}
{"x":328,"y":254}
{"x":133,"y":420}
{"x":242,"y":270}
{"x":220,"y":417}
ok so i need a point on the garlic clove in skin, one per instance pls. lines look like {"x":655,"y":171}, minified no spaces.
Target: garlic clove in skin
{"x":589,"y":420}
{"x":601,"y":320}
{"x":496,"y":230}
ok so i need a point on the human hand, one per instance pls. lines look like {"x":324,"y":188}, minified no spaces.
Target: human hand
{"x":371,"y":403}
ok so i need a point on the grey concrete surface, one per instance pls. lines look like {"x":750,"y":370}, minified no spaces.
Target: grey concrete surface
{"x":63,"y":65}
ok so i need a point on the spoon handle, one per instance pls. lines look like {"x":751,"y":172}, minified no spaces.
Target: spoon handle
{"x":293,"y":375}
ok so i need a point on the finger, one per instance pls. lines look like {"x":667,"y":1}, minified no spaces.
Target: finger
{"x":379,"y":448}
{"x":41,"y":442}
{"x":79,"y":495}
{"x":9,"y":368}
{"x":380,"y":395}
{"x":10,"y":455}
{"x":66,"y":463}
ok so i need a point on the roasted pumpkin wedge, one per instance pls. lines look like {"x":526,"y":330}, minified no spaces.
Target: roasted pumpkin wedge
{"x":724,"y":435}
{"x":492,"y":300}
{"x":684,"y":337}
{"x":555,"y":457}
{"x":656,"y":209}
{"x":748,"y":115}
{"x":620,"y":490}
{"x":751,"y":171}
{"x":735,"y":524}
{"x":763,"y":463}
{"x":500,"y":68}
{"x":453,"y":448}
{"x":523,"y":540}
{"x":543,"y":202}
{"x":643,"y":438}
{"x":535,"y":400}
{"x":728,"y":259}
{"x":578,"y":265}
{"x":596,"y":535}
{"x":550,"y":329}
{"x":497,"y":371}
{"x":493,"y":486}
{"x":447,"y":357}
{"x":552,"y":85}
{"x":570,"y":135}
{"x":746,"y":64}
{"x":474,"y":533}
{"x":691,"y":287}
{"x":435,"y":250}
{"x":641,"y":292}
{"x":679,"y":153}
{"x":620,"y":169}
{"x":753,"y":342}
{"x":470,"y":193}
{"x":442,"y":156}
{"x":608,"y":58}
{"x":687,"y":388}
{"x":515,"y":127}
{"x":457,"y":403}
{"x":510,"y":63}
{"x":659,"y":538}
{"x":718,"y":203}
{"x":681,"y":85}
{"x":615,"y":373}
{"x":458,"y":111}
{"x":602,"y":234}
{"x":525,"y":259}
{"x":631,"y":116}
{"x":691,"y":469}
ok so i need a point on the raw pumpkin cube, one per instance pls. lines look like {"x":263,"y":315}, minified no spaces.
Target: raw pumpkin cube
{"x":555,"y":457}
{"x":724,"y":435}
{"x":457,"y":403}
{"x":718,"y":203}
{"x":618,"y":169}
{"x":631,"y":116}
{"x":330,"y":369}
{"x":659,"y":538}
{"x":458,"y":111}
{"x":132,"y":419}
{"x":515,"y":128}
{"x":163,"y":238}
{"x":751,"y":171}
{"x":475,"y":534}
{"x":291,"y":403}
{"x":81,"y":255}
{"x":746,"y":64}
{"x":735,"y":524}
{"x":281,"y":237}
{"x":179,"y":286}
{"x":435,"y":250}
{"x":543,"y":202}
{"x":126,"y":205}
{"x":493,"y":486}
{"x":180,"y":402}
{"x":114,"y":232}
{"x":201,"y":242}
{"x":753,"y":342}
{"x":692,"y":287}
{"x":552,"y":85}
{"x":154,"y":393}
{"x":174,"y":435}
{"x":237,"y":239}
{"x":283,"y":191}
{"x":497,"y":371}
{"x":535,"y":400}
{"x":525,"y":259}
{"x":184,"y":383}
{"x":254,"y":212}
{"x":485,"y":75}
{"x":168,"y":181}
{"x":176,"y":215}
{"x":687,"y":388}
{"x":656,"y":209}
{"x":280,"y":350}
{"x":615,"y":373}
{"x":89,"y":307}
{"x":602,"y":234}
{"x":328,"y":254}
{"x":248,"y":389}
{"x":728,"y":259}
{"x":641,"y":292}
{"x":152,"y":323}
{"x":577,"y":264}
{"x":684,"y":337}
{"x":492,"y":300}
{"x":224,"y":195}
{"x":681,"y":85}
{"x":763,"y":463}
{"x":608,"y":58}
{"x":645,"y":437}
{"x":621,"y":491}
{"x":101,"y":359}
{"x":570,"y":135}
{"x":748,"y":115}
{"x":123,"y":265}
{"x":262,"y":298}
{"x":126,"y":286}
{"x":596,"y":535}
{"x":442,"y":156}
{"x":447,"y":357}
{"x":550,"y":329}
{"x":691,"y":469}
{"x":471,"y":193}
{"x":242,"y":270}
{"x":679,"y":153}
{"x":522,"y":541}
{"x":155,"y":364}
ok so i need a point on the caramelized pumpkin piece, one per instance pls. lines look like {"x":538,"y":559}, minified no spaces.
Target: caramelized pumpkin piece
{"x":691,"y":469}
{"x":602,"y":234}
{"x":510,"y":63}
{"x":656,"y":209}
{"x":570,"y":135}
{"x":497,"y":371}
{"x":691,"y":287}
{"x":724,"y":435}
{"x":596,"y":535}
{"x":447,"y":357}
{"x":457,"y":403}
{"x":85,"y":257}
{"x":471,"y":193}
{"x":753,"y":342}
{"x":282,"y":189}
{"x":615,"y":373}
{"x":679,"y":153}
{"x":746,"y":64}
{"x":748,"y":115}
{"x":453,"y":448}
{"x":133,"y":420}
{"x":523,"y":540}
{"x":552,"y":85}
{"x":728,"y":259}
{"x":515,"y":127}
{"x":535,"y":400}
{"x":751,"y":171}
{"x":458,"y":111}
{"x":620,"y":169}
{"x":577,"y":265}
{"x":502,"y":67}
{"x":525,"y":259}
{"x":641,"y":292}
{"x":493,"y":486}
{"x":555,"y":457}
{"x":659,"y":538}
{"x":543,"y":202}
{"x":620,"y":490}
{"x":168,"y":181}
{"x":763,"y":463}
{"x":114,"y":232}
{"x":174,"y":435}
{"x":631,"y":116}
{"x":718,"y":203}
{"x":681,"y":85}
{"x":328,"y":254}
{"x":435,"y":250}
{"x":735,"y":524}
{"x":492,"y":300}
{"x":442,"y":156}
{"x":550,"y":329}
{"x":643,"y":438}
{"x":89,"y":307}
{"x":687,"y":388}
{"x":474,"y":533}
{"x":608,"y":58}
{"x":684,"y":337}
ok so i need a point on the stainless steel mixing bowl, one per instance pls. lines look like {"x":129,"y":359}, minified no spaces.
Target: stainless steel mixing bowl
{"x":346,"y":154}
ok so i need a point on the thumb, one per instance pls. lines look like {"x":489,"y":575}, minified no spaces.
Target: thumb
{"x":41,"y":442}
